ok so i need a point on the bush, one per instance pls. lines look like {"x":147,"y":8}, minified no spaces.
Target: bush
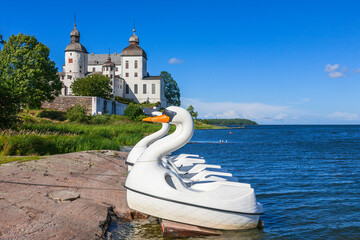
{"x":53,"y":115}
{"x":133,"y":111}
{"x":77,"y":114}
{"x":100,"y":119}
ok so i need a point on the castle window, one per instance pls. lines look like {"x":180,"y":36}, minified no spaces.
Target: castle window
{"x":144,"y":88}
{"x":93,"y":69}
{"x":135,"y":88}
{"x":62,"y":77}
{"x":70,"y":60}
{"x":107,"y":75}
{"x":153,"y":88}
{"x":111,"y":76}
{"x":70,"y":54}
{"x":136,"y":64}
{"x":126,"y":74}
{"x":127,"y":64}
{"x":117,"y":69}
{"x":135,"y":74}
{"x":107,"y":68}
{"x":127,"y":89}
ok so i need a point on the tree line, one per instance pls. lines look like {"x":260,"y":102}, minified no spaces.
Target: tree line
{"x":229,"y":122}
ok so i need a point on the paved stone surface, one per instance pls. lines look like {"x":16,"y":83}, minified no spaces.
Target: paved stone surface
{"x":172,"y":229}
{"x":27,"y":211}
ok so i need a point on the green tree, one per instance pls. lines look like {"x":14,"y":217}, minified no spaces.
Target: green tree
{"x":191,"y":109}
{"x":27,"y":72}
{"x":172,"y":91}
{"x":93,"y":85}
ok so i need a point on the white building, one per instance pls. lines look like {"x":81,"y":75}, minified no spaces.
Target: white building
{"x":127,"y":71}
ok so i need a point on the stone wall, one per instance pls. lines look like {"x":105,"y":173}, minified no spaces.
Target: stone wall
{"x":62,"y":103}
{"x":94,"y":105}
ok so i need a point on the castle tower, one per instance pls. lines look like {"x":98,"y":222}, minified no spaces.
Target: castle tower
{"x":76,"y":61}
{"x":108,"y":69}
{"x":133,"y":68}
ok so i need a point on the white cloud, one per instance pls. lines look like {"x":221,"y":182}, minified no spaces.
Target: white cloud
{"x":267,"y":114}
{"x":175,"y":61}
{"x":330,"y":68}
{"x":336,"y":75}
{"x":344,"y":116}
{"x":254,"y":111}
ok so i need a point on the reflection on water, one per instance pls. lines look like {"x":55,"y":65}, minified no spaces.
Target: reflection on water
{"x":143,"y":229}
{"x":137,"y":229}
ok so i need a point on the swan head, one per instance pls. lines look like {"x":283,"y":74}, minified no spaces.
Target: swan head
{"x":173,"y":115}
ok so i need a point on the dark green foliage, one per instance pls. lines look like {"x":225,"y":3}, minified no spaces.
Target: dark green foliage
{"x":8,"y":108}
{"x":77,"y":114}
{"x":93,"y":85}
{"x":123,"y":100}
{"x":229,"y":122}
{"x":52,"y":114}
{"x":172,"y":91}
{"x":27,"y":71}
{"x":133,"y":111}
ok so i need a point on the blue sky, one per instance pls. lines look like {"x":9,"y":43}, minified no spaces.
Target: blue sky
{"x":275,"y":62}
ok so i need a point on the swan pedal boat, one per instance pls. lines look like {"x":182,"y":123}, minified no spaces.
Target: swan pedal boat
{"x":158,"y":190}
{"x":188,"y":165}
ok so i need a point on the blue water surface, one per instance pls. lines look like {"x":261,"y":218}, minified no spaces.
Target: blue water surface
{"x":307,"y":177}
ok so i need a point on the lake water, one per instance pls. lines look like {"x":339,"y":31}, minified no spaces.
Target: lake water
{"x":307,"y":177}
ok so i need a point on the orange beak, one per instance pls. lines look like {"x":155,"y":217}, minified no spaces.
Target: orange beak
{"x":160,"y":119}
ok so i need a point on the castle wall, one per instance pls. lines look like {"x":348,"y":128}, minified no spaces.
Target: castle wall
{"x":93,"y":105}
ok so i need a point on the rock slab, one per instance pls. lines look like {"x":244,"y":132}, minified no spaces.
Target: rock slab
{"x":172,"y":229}
{"x":69,"y":196}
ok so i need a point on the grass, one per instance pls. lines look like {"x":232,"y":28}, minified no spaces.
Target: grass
{"x":43,"y":136}
{"x":7,"y":159}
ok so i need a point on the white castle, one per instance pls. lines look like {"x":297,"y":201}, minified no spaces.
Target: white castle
{"x":127,"y":71}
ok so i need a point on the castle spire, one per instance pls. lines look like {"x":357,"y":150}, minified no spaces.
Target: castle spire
{"x":74,"y":19}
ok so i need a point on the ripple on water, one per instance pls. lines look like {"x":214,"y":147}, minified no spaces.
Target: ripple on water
{"x":307,"y":178}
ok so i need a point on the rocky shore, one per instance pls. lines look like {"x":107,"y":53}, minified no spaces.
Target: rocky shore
{"x":69,"y":196}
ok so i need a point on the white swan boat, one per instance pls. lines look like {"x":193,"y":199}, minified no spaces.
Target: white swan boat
{"x":188,"y":165}
{"x":157,"y":190}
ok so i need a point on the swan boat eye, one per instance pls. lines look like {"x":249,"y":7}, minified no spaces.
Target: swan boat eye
{"x":170,"y":114}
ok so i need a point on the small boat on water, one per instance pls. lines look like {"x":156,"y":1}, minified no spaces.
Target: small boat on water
{"x":156,"y":188}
